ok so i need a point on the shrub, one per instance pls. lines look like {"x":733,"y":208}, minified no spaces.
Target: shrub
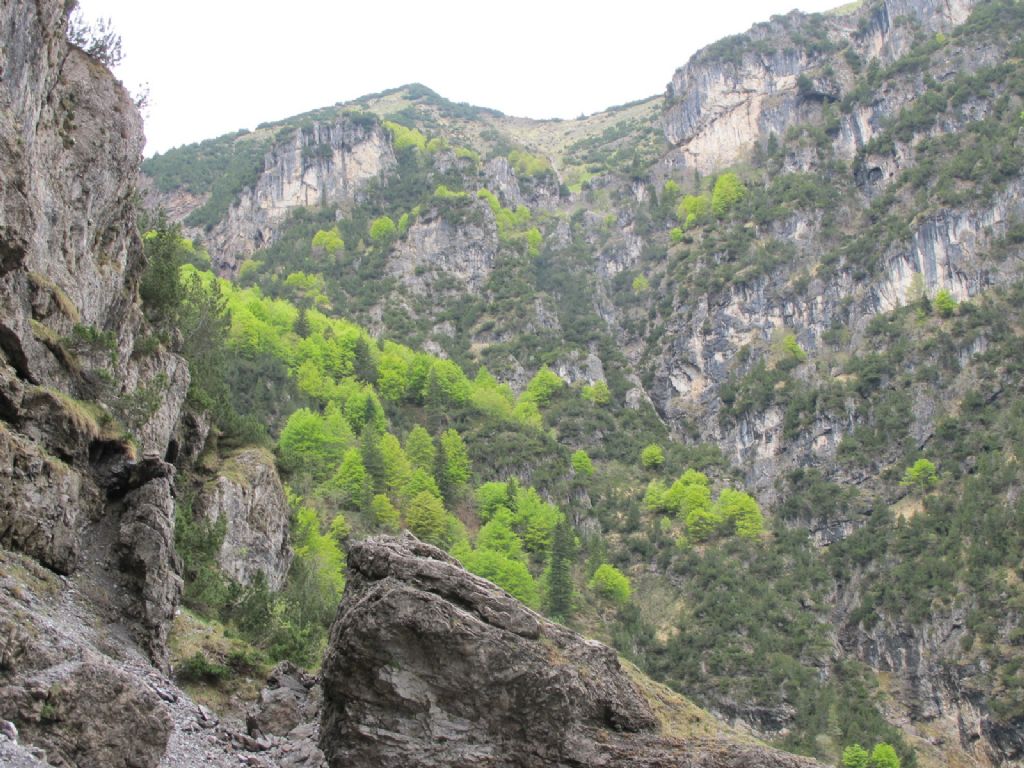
{"x":611,"y":583}
{"x":728,"y":191}
{"x":652,"y":456}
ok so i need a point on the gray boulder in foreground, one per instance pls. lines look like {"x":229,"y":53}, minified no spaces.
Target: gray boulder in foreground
{"x":429,"y":665}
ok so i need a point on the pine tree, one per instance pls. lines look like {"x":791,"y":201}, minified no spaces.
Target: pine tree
{"x":559,"y":596}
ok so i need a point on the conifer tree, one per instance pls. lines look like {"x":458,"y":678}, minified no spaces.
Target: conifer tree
{"x":559,"y":595}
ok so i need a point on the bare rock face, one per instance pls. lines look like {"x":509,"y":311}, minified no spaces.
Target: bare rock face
{"x":436,"y":249}
{"x":324,"y":163}
{"x":429,"y":665}
{"x":740,"y":90}
{"x":78,"y":714}
{"x":249,"y":497}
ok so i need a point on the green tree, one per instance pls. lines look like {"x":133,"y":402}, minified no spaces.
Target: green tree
{"x":739,"y":511}
{"x":945,"y":303}
{"x":385,"y":514}
{"x":426,"y":518}
{"x":884,"y":756}
{"x":597,"y":393}
{"x":559,"y":572}
{"x":352,"y":481}
{"x":421,"y":481}
{"x":609,"y":582}
{"x":511,"y":575}
{"x":312,"y":443}
{"x":329,"y":240}
{"x":654,"y":496}
{"x":581,"y":464}
{"x":728,"y":191}
{"x":543,"y":385}
{"x":454,"y":463}
{"x":397,"y":468}
{"x":855,"y":756}
{"x":652,"y":456}
{"x":641,"y":284}
{"x":492,"y":497}
{"x":383,"y":230}
{"x":920,"y":477}
{"x":693,"y":210}
{"x":497,"y":534}
{"x":419,"y":447}
{"x":689,"y":492}
{"x":373,"y":459}
{"x":701,"y":524}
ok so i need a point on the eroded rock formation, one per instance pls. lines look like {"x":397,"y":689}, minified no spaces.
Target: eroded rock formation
{"x":429,"y":665}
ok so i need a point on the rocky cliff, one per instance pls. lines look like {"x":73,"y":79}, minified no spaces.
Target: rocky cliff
{"x":793,"y":333}
{"x":431,"y":666}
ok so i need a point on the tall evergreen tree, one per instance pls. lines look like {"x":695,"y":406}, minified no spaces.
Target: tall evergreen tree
{"x":559,"y":596}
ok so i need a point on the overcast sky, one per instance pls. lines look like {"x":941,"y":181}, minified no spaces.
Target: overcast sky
{"x":214,"y":66}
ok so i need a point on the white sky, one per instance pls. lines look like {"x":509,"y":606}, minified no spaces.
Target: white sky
{"x":214,"y":66}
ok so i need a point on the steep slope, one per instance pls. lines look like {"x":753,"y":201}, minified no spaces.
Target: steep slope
{"x":807,"y":271}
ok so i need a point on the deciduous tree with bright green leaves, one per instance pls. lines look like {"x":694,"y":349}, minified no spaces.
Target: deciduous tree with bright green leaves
{"x":329,"y":240}
{"x":383,"y":230}
{"x":497,"y":534}
{"x":419,"y":447}
{"x":492,"y":497}
{"x":609,"y":582}
{"x":884,"y":756}
{"x":385,"y":514}
{"x":944,"y":303}
{"x":581,"y":464}
{"x":920,"y":477}
{"x":426,"y":518}
{"x":652,"y":456}
{"x":855,"y":756}
{"x":351,"y":482}
{"x":511,"y":575}
{"x":455,"y":466}
{"x":597,"y":393}
{"x":728,"y":191}
{"x":740,"y":511}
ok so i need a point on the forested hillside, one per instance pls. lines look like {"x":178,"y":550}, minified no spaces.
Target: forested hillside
{"x":730,"y":378}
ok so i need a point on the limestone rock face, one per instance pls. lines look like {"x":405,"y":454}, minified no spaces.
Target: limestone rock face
{"x":742,"y":89}
{"x":76,"y":496}
{"x":249,"y":497}
{"x":429,"y":665}
{"x":435,"y":248}
{"x":324,"y":163}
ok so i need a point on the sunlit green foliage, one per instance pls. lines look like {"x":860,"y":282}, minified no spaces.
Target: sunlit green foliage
{"x":526,"y":164}
{"x":328,"y":239}
{"x":383,"y":230}
{"x":921,"y":476}
{"x":611,"y":583}
{"x":597,"y":393}
{"x":652,"y":456}
{"x":510,"y":574}
{"x":693,"y":210}
{"x":728,"y":191}
{"x":406,"y":138}
{"x":581,"y":464}
{"x":419,"y":447}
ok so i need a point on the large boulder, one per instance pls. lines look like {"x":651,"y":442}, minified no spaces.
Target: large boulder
{"x":429,"y":665}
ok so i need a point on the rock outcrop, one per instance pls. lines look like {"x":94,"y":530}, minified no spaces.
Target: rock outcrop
{"x":248,"y":499}
{"x":324,"y":163}
{"x":742,"y":89}
{"x":429,"y":665}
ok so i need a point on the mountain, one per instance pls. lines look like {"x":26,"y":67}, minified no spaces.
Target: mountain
{"x":729,"y":378}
